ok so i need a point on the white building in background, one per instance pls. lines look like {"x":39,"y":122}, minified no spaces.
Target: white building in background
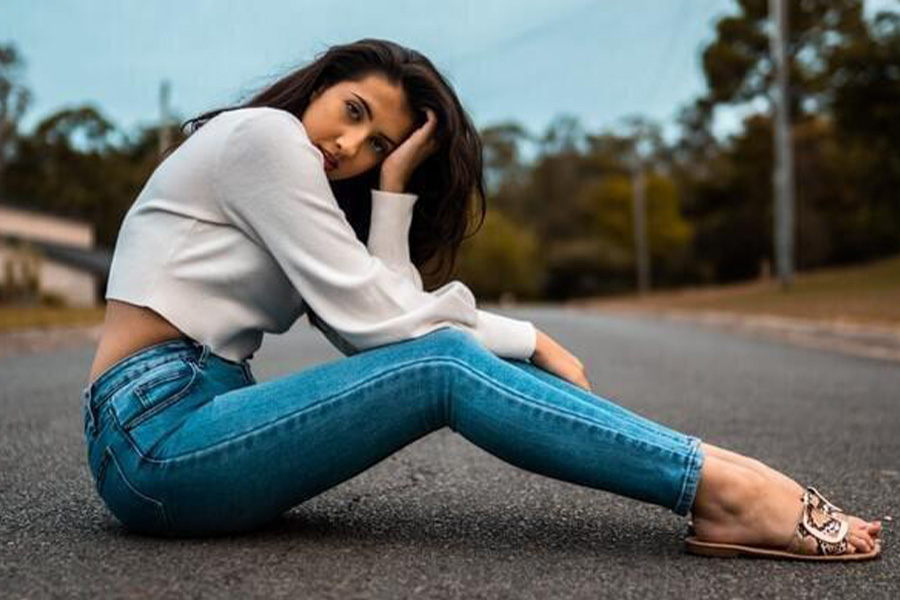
{"x":77,"y":287}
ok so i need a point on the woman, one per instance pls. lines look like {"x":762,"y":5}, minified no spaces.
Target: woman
{"x":259,"y":217}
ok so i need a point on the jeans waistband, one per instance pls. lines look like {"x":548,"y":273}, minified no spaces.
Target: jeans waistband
{"x":113,"y":378}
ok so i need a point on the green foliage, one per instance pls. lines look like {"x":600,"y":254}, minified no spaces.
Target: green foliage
{"x":866,"y":109}
{"x":737,"y":63}
{"x":609,"y":204}
{"x":845,"y":102}
{"x":501,"y":258}
{"x":76,"y":164}
{"x":14,"y":100}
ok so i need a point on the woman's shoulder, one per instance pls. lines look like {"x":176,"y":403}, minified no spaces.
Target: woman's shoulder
{"x":254,"y":136}
{"x":266,"y":130}
{"x":267,"y":121}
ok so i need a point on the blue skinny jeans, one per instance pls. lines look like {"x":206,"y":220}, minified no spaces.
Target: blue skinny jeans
{"x":181,"y":441}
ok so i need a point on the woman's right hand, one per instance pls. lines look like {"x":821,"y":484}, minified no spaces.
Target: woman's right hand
{"x":552,"y":357}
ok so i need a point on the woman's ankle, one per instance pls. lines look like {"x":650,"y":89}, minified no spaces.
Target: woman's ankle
{"x":751,"y":463}
{"x":728,"y":493}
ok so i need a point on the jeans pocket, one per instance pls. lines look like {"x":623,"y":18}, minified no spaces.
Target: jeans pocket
{"x":154,"y":391}
{"x":134,"y":509}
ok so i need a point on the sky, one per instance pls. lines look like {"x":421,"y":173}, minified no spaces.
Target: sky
{"x":523,"y":60}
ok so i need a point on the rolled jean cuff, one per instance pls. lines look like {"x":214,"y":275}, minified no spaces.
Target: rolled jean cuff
{"x":691,"y":478}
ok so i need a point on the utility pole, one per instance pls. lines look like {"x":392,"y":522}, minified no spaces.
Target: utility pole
{"x":165,"y":117}
{"x":639,"y":205}
{"x":783,"y":174}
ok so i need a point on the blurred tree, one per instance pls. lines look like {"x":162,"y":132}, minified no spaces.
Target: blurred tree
{"x":730,"y":205}
{"x":502,"y":258}
{"x":844,"y":99}
{"x":502,"y":155}
{"x":71,"y":166}
{"x":732,"y":211}
{"x":556,"y":196}
{"x":696,"y":147}
{"x":608,"y":201}
{"x":60,"y":166}
{"x":866,"y":108}
{"x":14,"y":99}
{"x":737,"y":65}
{"x":547,"y":201}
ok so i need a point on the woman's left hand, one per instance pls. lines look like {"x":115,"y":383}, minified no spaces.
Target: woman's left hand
{"x":403,"y":161}
{"x":550,"y":356}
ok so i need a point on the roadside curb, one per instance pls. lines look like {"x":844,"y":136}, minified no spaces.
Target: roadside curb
{"x":872,"y":341}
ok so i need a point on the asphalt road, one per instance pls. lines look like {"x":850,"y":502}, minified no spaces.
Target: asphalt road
{"x":444,"y":519}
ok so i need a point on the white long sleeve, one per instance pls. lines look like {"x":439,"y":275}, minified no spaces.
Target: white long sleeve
{"x":271,"y":185}
{"x":237,"y":234}
{"x":388,"y":239}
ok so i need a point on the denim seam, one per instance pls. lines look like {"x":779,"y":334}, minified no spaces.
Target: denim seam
{"x":577,"y":394}
{"x":575,"y":416}
{"x":126,"y":380}
{"x":101,"y":470}
{"x":225,"y":443}
{"x":159,"y":407}
{"x":125,"y":359}
{"x":691,"y":477}
{"x":161,"y":506}
{"x":139,"y":391}
{"x":338,"y":395}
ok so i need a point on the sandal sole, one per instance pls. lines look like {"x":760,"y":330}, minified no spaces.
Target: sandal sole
{"x":695,"y":546}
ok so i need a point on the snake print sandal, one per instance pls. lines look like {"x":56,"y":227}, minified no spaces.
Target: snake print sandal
{"x":820,"y":520}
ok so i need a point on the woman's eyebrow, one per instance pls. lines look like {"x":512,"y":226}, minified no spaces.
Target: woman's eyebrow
{"x":369,"y":113}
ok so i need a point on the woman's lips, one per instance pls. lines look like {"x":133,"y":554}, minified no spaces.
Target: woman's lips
{"x":330,"y":163}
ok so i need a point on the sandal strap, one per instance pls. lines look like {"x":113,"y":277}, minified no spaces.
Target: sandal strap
{"x":819,"y":521}
{"x":823,"y":502}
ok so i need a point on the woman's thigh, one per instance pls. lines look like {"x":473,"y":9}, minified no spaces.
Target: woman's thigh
{"x":248,"y":455}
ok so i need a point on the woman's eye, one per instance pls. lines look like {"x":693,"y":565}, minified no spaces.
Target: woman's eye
{"x":380,"y":147}
{"x":353,"y":110}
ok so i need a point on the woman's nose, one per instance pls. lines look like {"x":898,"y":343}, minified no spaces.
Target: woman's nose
{"x":350,"y":142}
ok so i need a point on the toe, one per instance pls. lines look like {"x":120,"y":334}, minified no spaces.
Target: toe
{"x":863,"y":532}
{"x":857,"y":544}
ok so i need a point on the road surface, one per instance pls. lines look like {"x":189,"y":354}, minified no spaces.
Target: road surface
{"x":443,"y":518}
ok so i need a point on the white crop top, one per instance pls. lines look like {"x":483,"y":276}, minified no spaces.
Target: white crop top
{"x":237,"y":232}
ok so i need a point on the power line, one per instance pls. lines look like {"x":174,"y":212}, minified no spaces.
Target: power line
{"x":665,"y":59}
{"x":526,"y":36}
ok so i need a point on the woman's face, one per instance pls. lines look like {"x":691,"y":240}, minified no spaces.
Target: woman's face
{"x":357,"y":123}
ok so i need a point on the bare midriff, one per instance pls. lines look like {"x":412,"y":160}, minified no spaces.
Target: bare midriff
{"x":126,"y":329}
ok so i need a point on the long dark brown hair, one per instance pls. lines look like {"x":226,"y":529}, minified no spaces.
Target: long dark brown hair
{"x":450,"y":183}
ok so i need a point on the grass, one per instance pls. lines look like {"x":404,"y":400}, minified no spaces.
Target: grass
{"x":865,"y":294}
{"x":26,"y":317}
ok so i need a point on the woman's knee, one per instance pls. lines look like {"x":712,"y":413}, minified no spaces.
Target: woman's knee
{"x":453,"y":342}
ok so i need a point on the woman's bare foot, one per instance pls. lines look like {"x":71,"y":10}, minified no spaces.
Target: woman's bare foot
{"x":738,"y":504}
{"x":780,"y":479}
{"x":755,"y":465}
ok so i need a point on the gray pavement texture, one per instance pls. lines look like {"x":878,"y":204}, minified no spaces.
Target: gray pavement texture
{"x":442,"y":518}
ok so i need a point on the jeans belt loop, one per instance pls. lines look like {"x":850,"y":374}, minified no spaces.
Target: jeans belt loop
{"x":204,"y":353}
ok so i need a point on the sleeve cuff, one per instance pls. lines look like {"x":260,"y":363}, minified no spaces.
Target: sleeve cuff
{"x":389,"y":228}
{"x":506,"y":337}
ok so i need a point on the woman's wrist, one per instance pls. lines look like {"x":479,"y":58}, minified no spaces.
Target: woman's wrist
{"x":392,"y":184}
{"x":540,"y":344}
{"x":392,"y":181}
